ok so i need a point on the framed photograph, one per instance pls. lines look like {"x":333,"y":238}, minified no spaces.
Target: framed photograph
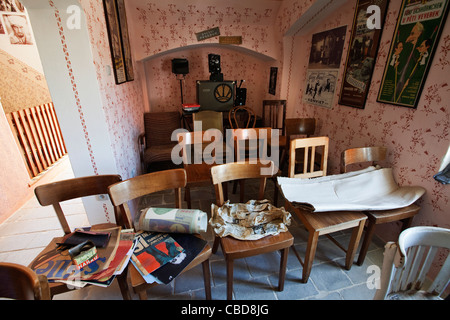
{"x":416,"y":36}
{"x":361,"y":55}
{"x":18,"y":29}
{"x":125,"y":40}
{"x":273,"y":80}
{"x":323,"y":67}
{"x":115,"y":40}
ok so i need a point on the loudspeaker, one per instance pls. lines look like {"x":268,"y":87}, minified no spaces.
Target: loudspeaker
{"x":180,"y":66}
{"x":241,"y":96}
{"x":216,"y":77}
{"x":214,"y":63}
{"x":216,"y":96}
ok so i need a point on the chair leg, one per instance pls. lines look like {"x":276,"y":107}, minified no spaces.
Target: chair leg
{"x":283,"y":263}
{"x":123,"y":285}
{"x":354,"y":242}
{"x":216,"y":244}
{"x":207,"y":279}
{"x":310,"y":253}
{"x":366,"y":242}
{"x":187,"y":196}
{"x":142,"y":295}
{"x":229,"y":279}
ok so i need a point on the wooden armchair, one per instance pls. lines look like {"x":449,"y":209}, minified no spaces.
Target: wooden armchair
{"x":155,"y":144}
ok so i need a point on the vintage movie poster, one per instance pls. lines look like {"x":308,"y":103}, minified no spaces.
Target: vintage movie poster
{"x":415,"y":39}
{"x":323,"y":67}
{"x":362,"y":53}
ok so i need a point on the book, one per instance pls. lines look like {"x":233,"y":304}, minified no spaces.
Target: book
{"x":152,"y":251}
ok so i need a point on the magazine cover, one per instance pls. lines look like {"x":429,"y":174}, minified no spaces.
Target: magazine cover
{"x":154,"y":250}
{"x":192,"y":247}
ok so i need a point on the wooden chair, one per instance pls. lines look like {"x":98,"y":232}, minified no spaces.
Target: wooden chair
{"x":155,"y":144}
{"x":209,"y":119}
{"x":249,"y":144}
{"x":241,"y":117}
{"x":274,"y":116}
{"x":236,"y":249}
{"x":21,"y":283}
{"x":321,"y":223}
{"x":57,"y":192}
{"x":123,"y":192}
{"x":405,"y":215}
{"x":198,"y":169}
{"x":407,"y":263}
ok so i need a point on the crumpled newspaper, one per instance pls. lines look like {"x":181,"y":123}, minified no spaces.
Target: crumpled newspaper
{"x":249,"y":221}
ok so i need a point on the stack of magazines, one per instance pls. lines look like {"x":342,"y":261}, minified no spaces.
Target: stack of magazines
{"x":114,"y":254}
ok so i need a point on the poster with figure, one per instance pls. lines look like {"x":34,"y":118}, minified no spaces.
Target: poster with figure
{"x":362,"y":53}
{"x":414,"y":42}
{"x":18,"y":29}
{"x":324,"y":61}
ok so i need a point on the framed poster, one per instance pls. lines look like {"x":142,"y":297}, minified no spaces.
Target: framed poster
{"x":416,"y":36}
{"x":115,"y":40}
{"x":273,"y":80}
{"x":323,"y":68}
{"x":125,"y":40}
{"x":361,"y":55}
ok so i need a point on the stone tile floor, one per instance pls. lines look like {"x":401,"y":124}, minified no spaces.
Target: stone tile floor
{"x":28,"y":231}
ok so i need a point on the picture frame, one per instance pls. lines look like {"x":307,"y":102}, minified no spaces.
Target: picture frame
{"x":361,"y":55}
{"x":416,"y":36}
{"x":323,"y":67}
{"x":273,"y":80}
{"x":115,"y":40}
{"x":125,"y":40}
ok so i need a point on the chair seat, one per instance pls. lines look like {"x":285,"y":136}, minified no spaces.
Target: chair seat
{"x":384,"y":216}
{"x":158,"y":153}
{"x":328,"y":222}
{"x":235,"y":249}
{"x":138,"y":283}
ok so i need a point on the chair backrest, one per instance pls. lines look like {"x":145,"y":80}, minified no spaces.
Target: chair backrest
{"x":198,"y":147}
{"x":241,"y":117}
{"x":123,"y":192}
{"x":359,"y":155}
{"x":300,"y":126}
{"x":56,"y":192}
{"x":237,"y":171}
{"x":250,"y":143}
{"x":21,"y":283}
{"x":311,"y":167}
{"x":274,"y":114}
{"x":406,"y":264}
{"x":159,"y":127}
{"x":209,"y":119}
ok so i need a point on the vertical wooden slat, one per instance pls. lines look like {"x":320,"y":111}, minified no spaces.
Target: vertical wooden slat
{"x":29,"y":144}
{"x":49,"y":130}
{"x":57,"y":129}
{"x":40,"y":136}
{"x":34,"y":140}
{"x":41,"y":117}
{"x":52,"y":126}
{"x":17,"y":137}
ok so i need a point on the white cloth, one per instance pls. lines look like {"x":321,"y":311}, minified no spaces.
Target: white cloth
{"x":368,"y":189}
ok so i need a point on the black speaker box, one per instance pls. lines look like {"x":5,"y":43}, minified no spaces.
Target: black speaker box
{"x":180,"y":66}
{"x":241,"y":96}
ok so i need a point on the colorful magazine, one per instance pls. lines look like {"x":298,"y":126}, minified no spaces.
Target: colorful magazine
{"x":153,"y":250}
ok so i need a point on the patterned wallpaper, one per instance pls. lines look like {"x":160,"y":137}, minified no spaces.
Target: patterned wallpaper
{"x":417,"y":139}
{"x":21,"y":86}
{"x":122,"y":104}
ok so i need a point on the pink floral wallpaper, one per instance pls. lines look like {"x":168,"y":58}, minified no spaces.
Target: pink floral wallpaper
{"x":417,"y":139}
{"x":122,"y":104}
